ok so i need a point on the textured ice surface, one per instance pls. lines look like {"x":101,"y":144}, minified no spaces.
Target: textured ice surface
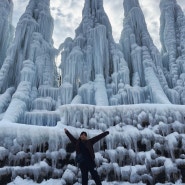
{"x":130,"y":89}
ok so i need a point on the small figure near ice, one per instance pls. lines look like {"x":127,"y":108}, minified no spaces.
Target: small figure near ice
{"x":85,"y":154}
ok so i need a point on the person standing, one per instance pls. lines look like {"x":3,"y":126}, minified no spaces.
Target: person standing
{"x":85,"y":155}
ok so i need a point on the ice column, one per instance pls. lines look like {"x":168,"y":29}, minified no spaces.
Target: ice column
{"x":6,"y":28}
{"x":141,"y":53}
{"x":34,"y":28}
{"x":93,"y":53}
{"x":172,"y":35}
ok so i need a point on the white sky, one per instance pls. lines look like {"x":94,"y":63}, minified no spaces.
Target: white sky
{"x":67,"y":16}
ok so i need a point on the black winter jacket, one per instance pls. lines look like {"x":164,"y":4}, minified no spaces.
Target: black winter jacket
{"x":88,"y":143}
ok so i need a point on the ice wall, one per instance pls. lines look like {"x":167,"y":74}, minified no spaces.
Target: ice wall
{"x":145,"y":146}
{"x":95,"y":70}
{"x":6,"y":28}
{"x":172,"y":35}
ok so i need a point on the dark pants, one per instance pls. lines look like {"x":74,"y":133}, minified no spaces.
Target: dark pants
{"x":89,"y":167}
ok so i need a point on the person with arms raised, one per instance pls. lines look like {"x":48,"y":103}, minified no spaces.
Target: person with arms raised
{"x":85,"y":154}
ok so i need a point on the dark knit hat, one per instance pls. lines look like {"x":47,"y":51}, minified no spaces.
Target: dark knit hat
{"x":85,"y":133}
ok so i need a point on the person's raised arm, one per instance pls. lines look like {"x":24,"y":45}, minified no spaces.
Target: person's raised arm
{"x":98,"y":137}
{"x":70,"y":136}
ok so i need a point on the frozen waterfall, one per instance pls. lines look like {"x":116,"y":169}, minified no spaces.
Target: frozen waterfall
{"x":128,"y":88}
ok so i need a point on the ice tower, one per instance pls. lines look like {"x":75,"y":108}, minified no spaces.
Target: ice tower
{"x":144,"y":59}
{"x":172,"y":35}
{"x":6,"y":31}
{"x":92,"y":63}
{"x":29,"y":69}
